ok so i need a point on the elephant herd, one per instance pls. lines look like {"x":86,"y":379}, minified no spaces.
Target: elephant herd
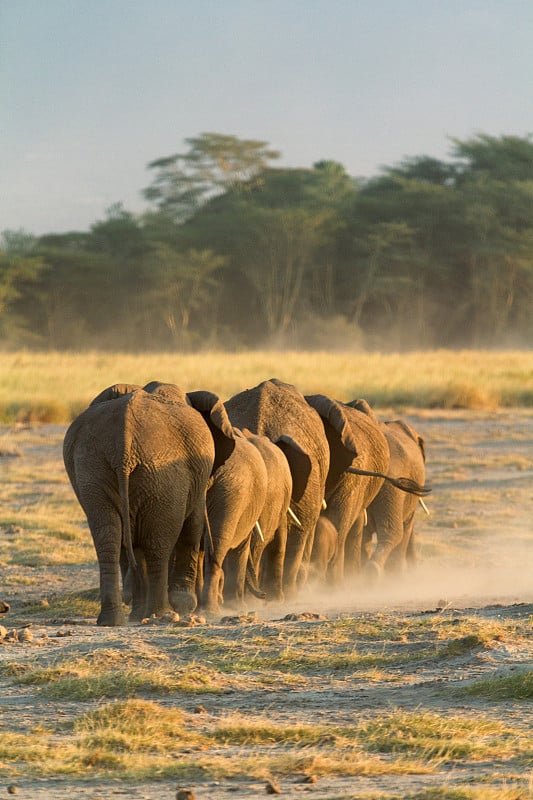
{"x":192,"y":501}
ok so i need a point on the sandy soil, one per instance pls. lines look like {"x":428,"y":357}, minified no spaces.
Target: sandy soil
{"x":476,"y":559}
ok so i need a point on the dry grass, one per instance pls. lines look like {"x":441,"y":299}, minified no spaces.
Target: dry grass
{"x":118,"y":673}
{"x":54,"y":387}
{"x":144,"y":739}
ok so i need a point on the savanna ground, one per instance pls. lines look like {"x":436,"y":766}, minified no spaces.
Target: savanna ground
{"x":418,"y":688}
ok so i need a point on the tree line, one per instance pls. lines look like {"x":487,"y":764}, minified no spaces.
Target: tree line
{"x":235,"y":251}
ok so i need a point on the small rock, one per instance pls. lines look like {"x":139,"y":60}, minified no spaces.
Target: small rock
{"x":12,"y":789}
{"x":191,"y":621}
{"x":12,"y":636}
{"x":309,"y":779}
{"x":25,"y":635}
{"x":62,"y":633}
{"x":185,"y":794}
{"x":4,"y":607}
{"x":200,"y":710}
{"x":242,"y":618}
{"x":272,"y":788}
{"x":3,"y":632}
{"x":168,"y":617}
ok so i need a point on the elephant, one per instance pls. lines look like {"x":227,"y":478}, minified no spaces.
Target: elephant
{"x":267,"y":549}
{"x":353,"y":480}
{"x":139,"y":460}
{"x":248,"y":502}
{"x":235,"y":499}
{"x":391,"y":513}
{"x":276,"y":409}
{"x":325,"y":545}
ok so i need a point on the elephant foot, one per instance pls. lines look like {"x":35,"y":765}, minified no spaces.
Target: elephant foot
{"x":182,"y":601}
{"x":373,"y":572}
{"x":127,"y":597}
{"x":212,"y":614}
{"x":137,"y":614}
{"x":277,"y":596}
{"x":111,"y":618}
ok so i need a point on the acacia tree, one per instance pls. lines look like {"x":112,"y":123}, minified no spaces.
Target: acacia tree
{"x":213,"y":164}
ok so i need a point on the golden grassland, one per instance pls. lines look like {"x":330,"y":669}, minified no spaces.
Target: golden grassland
{"x":54,"y":387}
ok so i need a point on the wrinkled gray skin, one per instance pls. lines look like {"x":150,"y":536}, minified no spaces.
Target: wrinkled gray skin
{"x":235,"y":499}
{"x":275,"y":409}
{"x":324,"y":550}
{"x":391,"y":514}
{"x":139,"y":460}
{"x":355,"y":440}
{"x":267,"y":553}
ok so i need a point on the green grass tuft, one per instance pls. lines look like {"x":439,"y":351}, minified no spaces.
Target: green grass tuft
{"x":504,"y":687}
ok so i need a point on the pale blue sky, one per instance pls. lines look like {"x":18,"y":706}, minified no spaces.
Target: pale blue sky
{"x":92,"y":90}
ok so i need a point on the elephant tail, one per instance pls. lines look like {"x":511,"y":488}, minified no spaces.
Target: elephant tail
{"x":404,"y":484}
{"x":252,"y":582}
{"x":123,"y":489}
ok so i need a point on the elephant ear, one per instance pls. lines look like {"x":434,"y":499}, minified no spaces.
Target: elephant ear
{"x":115,"y":391}
{"x":411,"y":433}
{"x":341,"y":441}
{"x":332,"y":413}
{"x":299,"y":464}
{"x":364,"y":407}
{"x":166,"y":392}
{"x":212,"y":409}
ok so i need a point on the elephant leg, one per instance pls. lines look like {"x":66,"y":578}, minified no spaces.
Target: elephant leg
{"x":137,"y":585}
{"x":213,"y":578}
{"x":411,"y":553}
{"x":212,"y":593}
{"x":335,"y":569}
{"x":397,"y":560}
{"x":157,"y":602}
{"x":222,"y":524}
{"x":272,"y":565}
{"x":182,"y":583}
{"x":107,"y":540}
{"x":235,"y":574}
{"x":127,"y":586}
{"x":200,"y":571}
{"x":353,"y":547}
{"x":297,"y":557}
{"x":388,"y":522}
{"x":367,"y":545}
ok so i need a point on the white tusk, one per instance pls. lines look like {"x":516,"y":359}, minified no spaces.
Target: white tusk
{"x":324,"y":504}
{"x":365,"y":517}
{"x":257,"y":527}
{"x":424,"y":506}
{"x":291,"y":513}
